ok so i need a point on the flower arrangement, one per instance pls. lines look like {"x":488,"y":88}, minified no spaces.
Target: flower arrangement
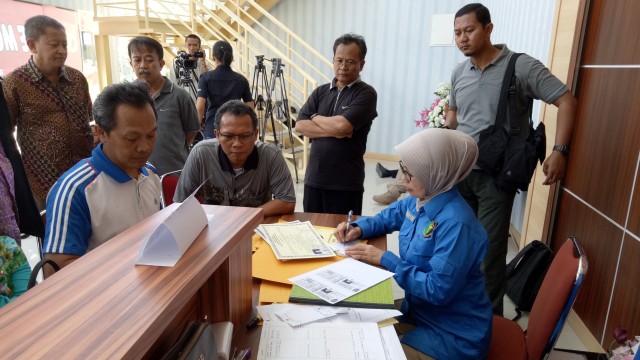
{"x":625,"y":349}
{"x":436,"y":114}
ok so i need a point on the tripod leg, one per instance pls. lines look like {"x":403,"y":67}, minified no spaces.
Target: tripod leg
{"x":269,"y":115}
{"x":288,"y":121}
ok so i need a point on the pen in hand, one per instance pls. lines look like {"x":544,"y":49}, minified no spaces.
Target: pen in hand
{"x":349,"y":218}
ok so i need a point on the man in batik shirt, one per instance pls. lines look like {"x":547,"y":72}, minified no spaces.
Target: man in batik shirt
{"x":50,"y":104}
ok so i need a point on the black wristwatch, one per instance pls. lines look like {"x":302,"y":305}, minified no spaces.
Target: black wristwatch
{"x":563,"y":149}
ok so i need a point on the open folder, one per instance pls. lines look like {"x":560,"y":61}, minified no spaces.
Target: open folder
{"x":170,"y":240}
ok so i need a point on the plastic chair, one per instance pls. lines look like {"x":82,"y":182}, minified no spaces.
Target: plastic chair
{"x":549,"y":312}
{"x":169,"y":183}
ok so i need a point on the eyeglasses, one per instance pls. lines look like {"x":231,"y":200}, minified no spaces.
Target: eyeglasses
{"x":348,"y":64}
{"x":232,"y":137}
{"x":405,"y":172}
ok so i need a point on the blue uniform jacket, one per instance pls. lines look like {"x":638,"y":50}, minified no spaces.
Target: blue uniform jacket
{"x":441,"y":249}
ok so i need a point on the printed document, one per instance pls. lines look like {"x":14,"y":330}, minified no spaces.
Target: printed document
{"x":340,"y":280}
{"x":320,"y":341}
{"x":301,"y":314}
{"x":295,"y":241}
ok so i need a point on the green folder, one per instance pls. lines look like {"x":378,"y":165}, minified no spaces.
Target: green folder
{"x":379,"y":296}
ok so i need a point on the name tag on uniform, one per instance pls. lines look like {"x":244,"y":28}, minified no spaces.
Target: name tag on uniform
{"x":409,"y":216}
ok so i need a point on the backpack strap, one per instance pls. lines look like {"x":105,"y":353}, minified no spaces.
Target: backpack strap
{"x":508,"y":95}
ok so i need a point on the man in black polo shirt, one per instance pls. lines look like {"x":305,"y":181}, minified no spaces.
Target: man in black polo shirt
{"x":337,"y":117}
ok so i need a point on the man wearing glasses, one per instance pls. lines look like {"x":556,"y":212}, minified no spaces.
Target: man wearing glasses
{"x":337,"y":117}
{"x":238,"y":170}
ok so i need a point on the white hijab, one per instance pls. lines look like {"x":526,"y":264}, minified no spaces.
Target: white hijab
{"x":438,"y":159}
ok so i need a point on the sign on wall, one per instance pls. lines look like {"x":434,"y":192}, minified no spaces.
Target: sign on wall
{"x":14,"y":51}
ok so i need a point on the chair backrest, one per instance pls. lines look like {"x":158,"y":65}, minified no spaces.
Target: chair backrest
{"x":40,"y":240}
{"x":556,"y":297}
{"x":169,"y":183}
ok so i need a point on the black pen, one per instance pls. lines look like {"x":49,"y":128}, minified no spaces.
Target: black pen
{"x":349,"y":217}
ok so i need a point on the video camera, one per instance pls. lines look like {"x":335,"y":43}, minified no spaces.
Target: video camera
{"x":188,"y":61}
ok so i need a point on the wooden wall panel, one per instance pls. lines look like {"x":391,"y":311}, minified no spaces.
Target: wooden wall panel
{"x":601,"y":241}
{"x":602,"y":163}
{"x":625,"y":308}
{"x":612,"y":32}
{"x":597,"y":204}
{"x":634,"y":215}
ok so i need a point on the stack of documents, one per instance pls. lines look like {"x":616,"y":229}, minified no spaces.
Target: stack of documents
{"x":294,"y":240}
{"x":349,"y":302}
{"x":379,"y":296}
{"x":340,"y":280}
{"x":316,"y":332}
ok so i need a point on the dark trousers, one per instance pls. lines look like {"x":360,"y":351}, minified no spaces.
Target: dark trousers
{"x":492,"y":206}
{"x":332,"y":201}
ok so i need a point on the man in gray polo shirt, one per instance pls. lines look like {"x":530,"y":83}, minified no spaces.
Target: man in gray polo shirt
{"x":475,"y":91}
{"x":177,"y":117}
{"x":238,"y":170}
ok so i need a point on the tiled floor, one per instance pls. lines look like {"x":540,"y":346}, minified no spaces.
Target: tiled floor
{"x":374,"y":185}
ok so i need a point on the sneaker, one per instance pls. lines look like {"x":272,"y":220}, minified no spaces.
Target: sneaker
{"x":386,"y":198}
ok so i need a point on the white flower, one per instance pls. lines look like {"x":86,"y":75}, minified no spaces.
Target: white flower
{"x":435,"y":116}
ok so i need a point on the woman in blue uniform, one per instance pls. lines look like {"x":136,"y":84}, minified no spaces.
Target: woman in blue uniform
{"x":447,"y":314}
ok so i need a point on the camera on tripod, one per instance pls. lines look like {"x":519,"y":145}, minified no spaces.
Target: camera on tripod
{"x":188,"y":61}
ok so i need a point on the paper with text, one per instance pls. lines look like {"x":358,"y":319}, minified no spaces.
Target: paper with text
{"x":170,"y":240}
{"x":340,"y":280}
{"x":344,"y":314}
{"x":295,"y":241}
{"x":302,"y":315}
{"x":320,"y":341}
{"x":391,"y":344}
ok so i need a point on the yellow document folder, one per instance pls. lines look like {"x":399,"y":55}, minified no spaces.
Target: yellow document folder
{"x":267,"y":267}
{"x":273,"y":292}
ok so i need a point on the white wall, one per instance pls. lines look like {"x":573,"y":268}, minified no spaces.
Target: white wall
{"x":400,"y":64}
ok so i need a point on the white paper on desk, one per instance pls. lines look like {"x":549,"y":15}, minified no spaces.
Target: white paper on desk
{"x":320,"y":341}
{"x":391,"y":344}
{"x":302,"y":315}
{"x":340,"y":280}
{"x":260,"y":231}
{"x":291,"y":241}
{"x":168,"y":242}
{"x":340,"y":247}
{"x":345,"y":314}
{"x":364,"y":315}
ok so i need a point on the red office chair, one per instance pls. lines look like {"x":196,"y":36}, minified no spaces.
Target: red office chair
{"x":549,"y":312}
{"x":169,"y":183}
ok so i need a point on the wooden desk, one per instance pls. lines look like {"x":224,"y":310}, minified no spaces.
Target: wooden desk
{"x":244,"y":338}
{"x":102,"y":306}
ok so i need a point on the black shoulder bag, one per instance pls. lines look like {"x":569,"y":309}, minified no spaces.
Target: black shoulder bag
{"x":510,"y":158}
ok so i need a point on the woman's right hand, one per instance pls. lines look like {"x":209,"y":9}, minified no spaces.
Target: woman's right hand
{"x":341,"y":233}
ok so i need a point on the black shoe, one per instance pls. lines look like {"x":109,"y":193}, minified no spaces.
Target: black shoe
{"x":384,"y":172}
